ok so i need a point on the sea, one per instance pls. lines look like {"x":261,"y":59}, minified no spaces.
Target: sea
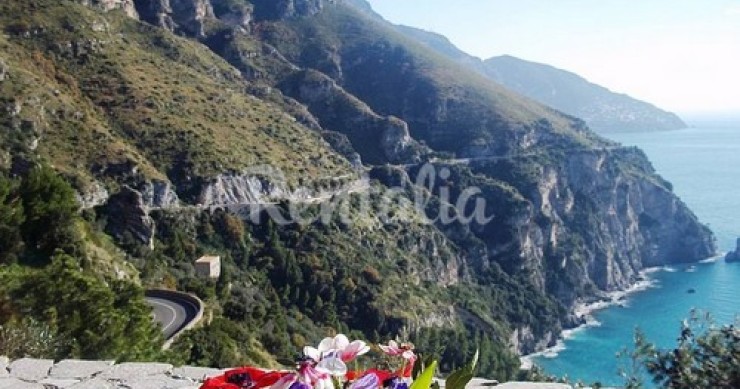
{"x":703,"y":164}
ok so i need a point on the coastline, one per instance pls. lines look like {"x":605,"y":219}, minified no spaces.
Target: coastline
{"x":586,"y":310}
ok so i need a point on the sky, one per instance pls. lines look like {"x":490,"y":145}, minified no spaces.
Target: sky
{"x":682,"y":55}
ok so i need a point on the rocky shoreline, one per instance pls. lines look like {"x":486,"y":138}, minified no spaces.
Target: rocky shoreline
{"x":585,"y":310}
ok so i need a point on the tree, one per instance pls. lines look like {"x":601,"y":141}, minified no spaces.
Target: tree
{"x":51,"y":211}
{"x":11,"y":219}
{"x":706,"y":356}
{"x":100,"y":322}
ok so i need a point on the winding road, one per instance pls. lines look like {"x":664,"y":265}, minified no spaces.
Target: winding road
{"x":174,"y":311}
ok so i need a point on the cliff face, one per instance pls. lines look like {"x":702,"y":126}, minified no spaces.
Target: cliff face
{"x":594,"y":223}
{"x":589,"y":227}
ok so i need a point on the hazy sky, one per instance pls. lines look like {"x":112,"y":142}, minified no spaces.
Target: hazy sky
{"x":682,"y":55}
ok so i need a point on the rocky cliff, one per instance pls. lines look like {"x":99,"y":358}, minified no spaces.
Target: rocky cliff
{"x":594,"y":226}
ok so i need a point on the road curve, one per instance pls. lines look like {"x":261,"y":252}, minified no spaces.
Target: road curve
{"x":174,"y":311}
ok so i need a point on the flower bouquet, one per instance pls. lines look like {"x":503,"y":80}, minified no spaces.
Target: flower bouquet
{"x":325,"y":367}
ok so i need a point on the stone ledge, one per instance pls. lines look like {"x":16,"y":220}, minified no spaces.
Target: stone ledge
{"x":14,"y":383}
{"x":74,"y":369}
{"x":195,"y":373}
{"x":30,"y":370}
{"x":30,"y":373}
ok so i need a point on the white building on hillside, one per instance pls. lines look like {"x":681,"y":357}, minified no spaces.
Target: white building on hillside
{"x":208,"y":266}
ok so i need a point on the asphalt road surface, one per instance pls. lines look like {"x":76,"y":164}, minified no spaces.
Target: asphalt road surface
{"x":173,"y":312}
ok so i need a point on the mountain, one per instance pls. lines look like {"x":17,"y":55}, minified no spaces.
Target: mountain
{"x":333,"y":163}
{"x":603,"y":110}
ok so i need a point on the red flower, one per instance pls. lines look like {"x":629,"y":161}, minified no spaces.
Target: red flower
{"x":408,"y":368}
{"x":218,"y":382}
{"x":354,"y":374}
{"x":244,"y":377}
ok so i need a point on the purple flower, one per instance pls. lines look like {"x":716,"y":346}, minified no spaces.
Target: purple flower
{"x":369,"y":381}
{"x":395,"y":383}
{"x":300,"y":385}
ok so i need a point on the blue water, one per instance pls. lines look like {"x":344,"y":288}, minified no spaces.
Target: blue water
{"x":703,"y":163}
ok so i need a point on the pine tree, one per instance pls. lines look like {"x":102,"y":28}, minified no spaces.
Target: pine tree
{"x":11,"y":220}
{"x":51,"y":211}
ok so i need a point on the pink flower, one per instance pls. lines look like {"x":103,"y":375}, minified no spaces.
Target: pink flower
{"x":353,"y":350}
{"x":404,"y":350}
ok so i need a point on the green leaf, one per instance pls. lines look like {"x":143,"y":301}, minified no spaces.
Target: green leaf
{"x":424,"y":381}
{"x":460,"y":377}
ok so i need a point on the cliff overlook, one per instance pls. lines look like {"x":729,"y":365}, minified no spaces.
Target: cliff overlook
{"x":190,"y":127}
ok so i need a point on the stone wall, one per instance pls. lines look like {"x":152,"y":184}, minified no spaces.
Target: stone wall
{"x":29,"y":373}
{"x":45,"y":374}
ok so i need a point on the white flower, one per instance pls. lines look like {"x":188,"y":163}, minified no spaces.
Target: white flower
{"x":333,"y":366}
{"x":332,"y":354}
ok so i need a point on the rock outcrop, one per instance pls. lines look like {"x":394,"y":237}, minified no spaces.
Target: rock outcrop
{"x":183,"y":16}
{"x":108,"y":5}
{"x":159,"y":195}
{"x":238,"y":189}
{"x":265,"y":185}
{"x":287,"y":9}
{"x":734,"y":256}
{"x":234,"y":13}
{"x":128,"y":217}
{"x":95,"y":195}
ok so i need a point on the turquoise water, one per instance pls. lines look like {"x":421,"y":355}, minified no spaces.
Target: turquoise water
{"x":703,"y":163}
